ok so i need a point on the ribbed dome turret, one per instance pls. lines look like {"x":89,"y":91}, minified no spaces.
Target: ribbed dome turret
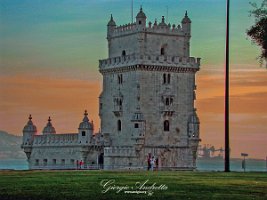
{"x":141,"y":14}
{"x":49,"y":129}
{"x":162,"y":23}
{"x":30,"y":127}
{"x":111,"y":21}
{"x":85,"y":124}
{"x":186,"y":19}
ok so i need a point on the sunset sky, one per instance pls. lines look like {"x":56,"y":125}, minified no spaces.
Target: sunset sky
{"x":49,"y":52}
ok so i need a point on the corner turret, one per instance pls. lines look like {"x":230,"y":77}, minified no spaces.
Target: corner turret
{"x":141,"y":19}
{"x":29,"y":131}
{"x":111,"y":26}
{"x":193,"y":134}
{"x":162,"y":23}
{"x":186,"y":24}
{"x":49,"y":129}
{"x":193,"y":126}
{"x":86,"y":129}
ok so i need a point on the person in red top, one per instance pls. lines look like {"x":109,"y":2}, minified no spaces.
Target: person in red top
{"x":81,"y":162}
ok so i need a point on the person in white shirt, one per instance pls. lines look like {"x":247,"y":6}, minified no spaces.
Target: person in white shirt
{"x":152,"y":163}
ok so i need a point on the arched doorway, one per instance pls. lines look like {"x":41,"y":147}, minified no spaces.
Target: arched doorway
{"x":101,"y":161}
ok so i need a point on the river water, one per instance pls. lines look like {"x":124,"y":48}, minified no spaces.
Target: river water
{"x":202,"y":165}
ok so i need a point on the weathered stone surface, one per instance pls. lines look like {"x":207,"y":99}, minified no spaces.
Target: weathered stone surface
{"x":146,"y":106}
{"x":149,"y":71}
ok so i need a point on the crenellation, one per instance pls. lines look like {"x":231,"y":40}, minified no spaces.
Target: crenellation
{"x":161,"y":29}
{"x":161,"y":60}
{"x":62,"y":139}
{"x":128,"y":29}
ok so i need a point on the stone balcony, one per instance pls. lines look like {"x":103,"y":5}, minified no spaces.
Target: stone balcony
{"x":168,"y":111}
{"x":151,"y":60}
{"x":117,"y":110}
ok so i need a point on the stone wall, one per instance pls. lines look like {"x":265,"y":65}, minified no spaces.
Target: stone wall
{"x":149,"y":70}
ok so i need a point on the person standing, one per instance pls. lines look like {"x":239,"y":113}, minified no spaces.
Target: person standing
{"x":148,"y":162}
{"x":157,"y":163}
{"x":152,"y":163}
{"x":81,"y":162}
{"x":77,"y":164}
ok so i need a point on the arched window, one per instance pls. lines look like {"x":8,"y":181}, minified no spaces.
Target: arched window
{"x":120,"y":78}
{"x":119,"y":125}
{"x":123,"y":53}
{"x":140,"y":22}
{"x":162,"y":51}
{"x":171,"y":101}
{"x":169,"y":79}
{"x":164,"y":78}
{"x":166,"y":125}
{"x":167,"y":102}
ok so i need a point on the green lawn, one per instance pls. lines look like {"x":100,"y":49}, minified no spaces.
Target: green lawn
{"x":173,"y":185}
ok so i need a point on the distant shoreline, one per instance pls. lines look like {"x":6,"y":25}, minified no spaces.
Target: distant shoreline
{"x":203,"y":164}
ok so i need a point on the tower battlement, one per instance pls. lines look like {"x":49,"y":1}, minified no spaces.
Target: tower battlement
{"x":149,"y":69}
{"x":159,"y":60}
{"x":144,"y":38}
{"x":132,"y":28}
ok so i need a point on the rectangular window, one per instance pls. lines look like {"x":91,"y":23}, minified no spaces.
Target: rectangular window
{"x":169,"y":79}
{"x":37,"y":162}
{"x":136,"y":125}
{"x":63,"y":162}
{"x":168,"y":101}
{"x":119,"y":125}
{"x":83,"y":133}
{"x":72,"y":162}
{"x":45,"y":162}
{"x":54,"y":161}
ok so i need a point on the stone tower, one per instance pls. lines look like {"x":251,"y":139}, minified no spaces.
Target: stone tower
{"x":29,"y":131}
{"x":147,"y":103}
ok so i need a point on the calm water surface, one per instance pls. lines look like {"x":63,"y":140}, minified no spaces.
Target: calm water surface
{"x":203,"y":165}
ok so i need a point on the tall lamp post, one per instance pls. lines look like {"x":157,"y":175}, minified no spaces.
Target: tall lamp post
{"x":226,"y":96}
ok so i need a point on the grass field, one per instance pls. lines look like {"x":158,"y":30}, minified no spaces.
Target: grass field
{"x":167,"y":185}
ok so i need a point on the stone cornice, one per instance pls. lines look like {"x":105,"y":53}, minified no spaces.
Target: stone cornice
{"x":149,"y":68}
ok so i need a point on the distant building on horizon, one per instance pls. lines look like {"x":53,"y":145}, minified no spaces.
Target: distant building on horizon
{"x":146,"y":106}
